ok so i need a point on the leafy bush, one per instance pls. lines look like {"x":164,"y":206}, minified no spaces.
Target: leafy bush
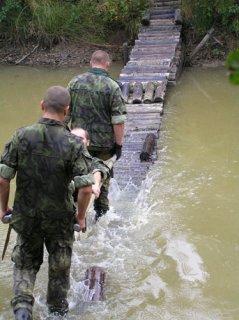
{"x":50,"y":21}
{"x":202,"y":14}
{"x":123,"y":14}
{"x":233,"y":66}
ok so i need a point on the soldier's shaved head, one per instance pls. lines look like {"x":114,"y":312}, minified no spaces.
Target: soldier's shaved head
{"x":56,"y":99}
{"x":83,"y":134}
{"x":100,"y":57}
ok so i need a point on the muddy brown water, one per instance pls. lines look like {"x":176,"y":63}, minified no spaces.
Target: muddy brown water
{"x":172,"y":252}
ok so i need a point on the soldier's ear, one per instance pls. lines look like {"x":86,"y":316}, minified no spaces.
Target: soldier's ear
{"x":66,"y":109}
{"x":42,"y":105}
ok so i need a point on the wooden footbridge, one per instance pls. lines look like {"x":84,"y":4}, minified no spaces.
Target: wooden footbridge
{"x":155,"y":62}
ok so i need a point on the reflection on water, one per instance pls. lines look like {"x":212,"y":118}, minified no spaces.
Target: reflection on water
{"x":172,"y":252}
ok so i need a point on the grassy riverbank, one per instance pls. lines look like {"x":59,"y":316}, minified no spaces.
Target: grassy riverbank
{"x":67,"y":32}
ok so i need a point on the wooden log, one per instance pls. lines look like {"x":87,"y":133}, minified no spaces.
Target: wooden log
{"x":146,"y":18}
{"x":27,"y":55}
{"x":125,"y":50}
{"x":160,"y":92}
{"x":125,"y":91}
{"x":149,"y":93}
{"x":200,"y":45}
{"x":94,"y":284}
{"x":137,"y":93}
{"x":148,"y":147}
{"x":178,"y":17}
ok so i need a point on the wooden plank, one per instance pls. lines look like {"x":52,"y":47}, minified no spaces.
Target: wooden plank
{"x":146,"y":69}
{"x":162,"y":75}
{"x":157,"y":36}
{"x":161,"y":22}
{"x":141,"y":79}
{"x":161,"y":62}
{"x":151,"y":50}
{"x":139,"y":116}
{"x":161,"y":28}
{"x":155,"y":46}
{"x":145,"y":54}
{"x":162,"y":15}
{"x":165,"y":31}
{"x":149,"y":108}
{"x":94,"y":284}
{"x":153,"y":58}
{"x":154,"y":42}
{"x":159,"y":10}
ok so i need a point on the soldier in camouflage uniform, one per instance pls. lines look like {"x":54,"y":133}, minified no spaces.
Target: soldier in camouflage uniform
{"x":97,"y":106}
{"x":46,"y":158}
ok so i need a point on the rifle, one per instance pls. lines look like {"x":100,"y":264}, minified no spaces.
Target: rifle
{"x":7,"y":219}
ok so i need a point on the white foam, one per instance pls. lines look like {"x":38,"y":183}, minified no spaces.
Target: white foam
{"x":189,"y":263}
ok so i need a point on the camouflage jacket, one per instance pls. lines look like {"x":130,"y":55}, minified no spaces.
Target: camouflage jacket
{"x":46,"y":158}
{"x":96,"y":105}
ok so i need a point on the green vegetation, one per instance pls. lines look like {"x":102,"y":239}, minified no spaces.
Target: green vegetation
{"x":233,"y":66}
{"x":51,"y":21}
{"x":203,"y":14}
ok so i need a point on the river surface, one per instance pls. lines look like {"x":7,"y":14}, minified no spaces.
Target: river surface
{"x":172,"y":253}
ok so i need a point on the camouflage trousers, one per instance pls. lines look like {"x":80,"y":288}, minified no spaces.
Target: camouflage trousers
{"x":102,"y":203}
{"x":28,"y":257}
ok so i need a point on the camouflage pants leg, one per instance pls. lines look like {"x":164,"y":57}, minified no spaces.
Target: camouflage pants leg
{"x":102,"y":203}
{"x":60,"y":252}
{"x":27,"y":256}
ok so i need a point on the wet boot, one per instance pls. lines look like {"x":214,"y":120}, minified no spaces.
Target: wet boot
{"x":23,"y":314}
{"x":99,"y":214}
{"x":57,"y":314}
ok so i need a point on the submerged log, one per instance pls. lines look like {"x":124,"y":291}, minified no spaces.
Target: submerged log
{"x":94,"y":284}
{"x":148,"y":147}
{"x":137,"y":93}
{"x":149,"y":92}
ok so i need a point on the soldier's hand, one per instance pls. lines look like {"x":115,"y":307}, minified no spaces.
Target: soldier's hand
{"x":6,"y":215}
{"x":82,"y":223}
{"x":96,"y":190}
{"x":117,"y":151}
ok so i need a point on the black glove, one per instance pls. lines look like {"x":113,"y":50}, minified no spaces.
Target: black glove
{"x":117,"y":151}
